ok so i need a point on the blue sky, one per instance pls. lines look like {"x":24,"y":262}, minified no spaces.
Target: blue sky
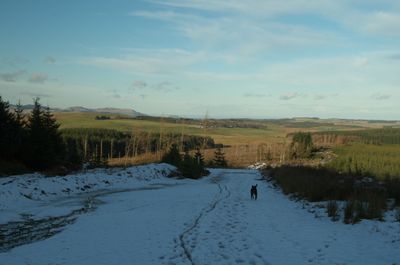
{"x":257,"y":58}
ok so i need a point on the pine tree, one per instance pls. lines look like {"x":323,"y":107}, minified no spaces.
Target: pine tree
{"x":188,"y":166}
{"x":55,"y":140}
{"x":9,"y":132}
{"x":46,"y":147}
{"x":21,"y":133}
{"x":173,"y":156}
{"x":19,"y":114}
{"x":73,"y":157}
{"x":219,"y":158}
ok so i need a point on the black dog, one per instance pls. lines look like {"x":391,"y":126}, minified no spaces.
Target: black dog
{"x":253,"y":192}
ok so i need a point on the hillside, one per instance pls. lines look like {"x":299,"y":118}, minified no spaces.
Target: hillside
{"x":112,"y":111}
{"x":245,"y":141}
{"x":138,"y":216}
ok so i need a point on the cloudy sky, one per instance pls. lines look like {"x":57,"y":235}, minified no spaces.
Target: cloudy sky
{"x":233,"y":58}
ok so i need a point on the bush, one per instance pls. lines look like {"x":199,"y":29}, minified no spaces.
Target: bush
{"x":173,"y":156}
{"x":365,"y":200}
{"x":373,"y":200}
{"x":397,"y":215}
{"x":332,"y":210}
{"x":189,"y":166}
{"x":351,"y":212}
{"x":314,"y":184}
{"x":301,"y":146}
{"x":393,"y":189}
{"x":219,"y":158}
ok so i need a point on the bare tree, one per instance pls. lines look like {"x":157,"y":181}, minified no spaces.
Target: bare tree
{"x":205,"y":125}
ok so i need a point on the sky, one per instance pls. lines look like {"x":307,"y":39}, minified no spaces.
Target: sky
{"x":232,"y":58}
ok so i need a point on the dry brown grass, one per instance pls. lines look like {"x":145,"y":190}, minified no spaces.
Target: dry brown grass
{"x":137,"y":160}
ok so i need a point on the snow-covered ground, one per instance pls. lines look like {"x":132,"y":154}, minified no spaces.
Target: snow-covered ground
{"x":139,"y":216}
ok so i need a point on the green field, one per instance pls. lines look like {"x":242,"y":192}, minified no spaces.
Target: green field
{"x":226,"y":136}
{"x":243,"y":139}
{"x":272,"y":131}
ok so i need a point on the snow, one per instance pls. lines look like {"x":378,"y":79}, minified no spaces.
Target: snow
{"x":143,"y":217}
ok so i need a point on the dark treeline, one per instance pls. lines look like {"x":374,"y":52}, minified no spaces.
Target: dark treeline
{"x":30,"y":142}
{"x":107,"y":143}
{"x":102,"y":117}
{"x":34,"y":142}
{"x":386,"y":135}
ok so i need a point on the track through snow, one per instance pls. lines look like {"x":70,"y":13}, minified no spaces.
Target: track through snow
{"x":219,"y":233}
{"x":210,"y":221}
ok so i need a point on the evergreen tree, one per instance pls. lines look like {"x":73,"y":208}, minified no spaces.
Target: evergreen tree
{"x":199,"y":158}
{"x":9,"y":132}
{"x":188,"y":166}
{"x":19,"y":114}
{"x":72,"y":154}
{"x":46,"y":147}
{"x":21,"y":133}
{"x":173,"y":156}
{"x":54,"y":136}
{"x":219,"y":158}
{"x":191,"y":168}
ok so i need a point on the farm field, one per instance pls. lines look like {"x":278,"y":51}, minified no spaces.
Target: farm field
{"x":245,"y":141}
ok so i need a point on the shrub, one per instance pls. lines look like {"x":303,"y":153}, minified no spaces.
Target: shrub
{"x":332,"y":210}
{"x":219,"y":158}
{"x":314,"y":184}
{"x":366,"y":200}
{"x":397,"y":215}
{"x":351,"y":215}
{"x":301,"y":145}
{"x":189,"y":166}
{"x":173,"y":156}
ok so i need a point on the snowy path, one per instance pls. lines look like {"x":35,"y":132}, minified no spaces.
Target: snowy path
{"x":210,"y":221}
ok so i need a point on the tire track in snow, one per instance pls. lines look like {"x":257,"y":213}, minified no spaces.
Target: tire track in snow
{"x":195,"y":224}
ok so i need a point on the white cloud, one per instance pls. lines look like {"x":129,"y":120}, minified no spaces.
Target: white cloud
{"x":289,"y":96}
{"x":364,"y":17}
{"x":114,"y":94}
{"x":319,"y":97}
{"x":256,"y":7}
{"x":380,"y":96}
{"x":12,"y":76}
{"x":35,"y":95}
{"x":49,"y":60}
{"x":381,"y":23}
{"x":38,"y":78}
{"x":137,"y":84}
{"x":13,"y":61}
{"x":254,"y":95}
{"x":241,"y":36}
{"x":166,"y":87}
{"x":149,"y":61}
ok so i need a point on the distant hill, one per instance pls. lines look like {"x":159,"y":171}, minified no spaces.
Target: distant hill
{"x":128,"y":112}
{"x":115,"y":111}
